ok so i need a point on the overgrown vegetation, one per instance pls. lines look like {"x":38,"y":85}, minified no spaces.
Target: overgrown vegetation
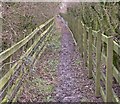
{"x":20,"y":18}
{"x":100,"y":16}
{"x":41,"y":82}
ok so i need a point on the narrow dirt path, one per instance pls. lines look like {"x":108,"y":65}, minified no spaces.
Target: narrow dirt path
{"x":59,"y":75}
{"x":73,"y":85}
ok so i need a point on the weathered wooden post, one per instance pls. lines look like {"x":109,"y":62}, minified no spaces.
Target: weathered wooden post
{"x":85,"y":46}
{"x":1,"y":22}
{"x":109,"y":70}
{"x":98,"y":64}
{"x":80,"y":36}
{"x":90,"y":66}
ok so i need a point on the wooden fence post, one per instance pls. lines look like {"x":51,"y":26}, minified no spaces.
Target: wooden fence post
{"x":85,"y":46}
{"x":90,"y":67}
{"x":109,"y":70}
{"x":1,"y":22}
{"x":80,"y":38}
{"x":98,"y":64}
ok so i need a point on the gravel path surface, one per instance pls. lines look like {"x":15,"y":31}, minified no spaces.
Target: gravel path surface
{"x":73,"y":83}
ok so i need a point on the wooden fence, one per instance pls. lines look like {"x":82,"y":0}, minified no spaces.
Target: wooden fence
{"x":99,"y":64}
{"x":11,"y":84}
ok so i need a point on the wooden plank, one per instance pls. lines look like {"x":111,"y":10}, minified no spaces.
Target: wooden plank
{"x":42,"y":44}
{"x":42,"y":47}
{"x":1,"y":30}
{"x":46,"y":23}
{"x":85,"y":46}
{"x":94,"y":48}
{"x":90,"y":67}
{"x":13,"y":86}
{"x":6,"y":98}
{"x":16,"y":89}
{"x":115,"y":97}
{"x":102,"y":93}
{"x":16,"y":80}
{"x":7,"y":76}
{"x":109,"y":70}
{"x":94,"y":63}
{"x":5,"y":54}
{"x":116,"y":48}
{"x":94,"y":33}
{"x":116,"y":74}
{"x":104,"y":38}
{"x":18,"y":94}
{"x":10,"y":82}
{"x":98,"y":65}
{"x":37,"y":40}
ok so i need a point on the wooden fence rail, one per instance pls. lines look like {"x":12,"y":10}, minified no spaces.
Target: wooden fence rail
{"x":11,"y":82}
{"x":92,"y":44}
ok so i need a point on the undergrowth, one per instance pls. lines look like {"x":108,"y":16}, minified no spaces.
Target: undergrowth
{"x":40,"y":86}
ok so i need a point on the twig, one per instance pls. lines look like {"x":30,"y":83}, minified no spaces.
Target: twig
{"x":8,"y":63}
